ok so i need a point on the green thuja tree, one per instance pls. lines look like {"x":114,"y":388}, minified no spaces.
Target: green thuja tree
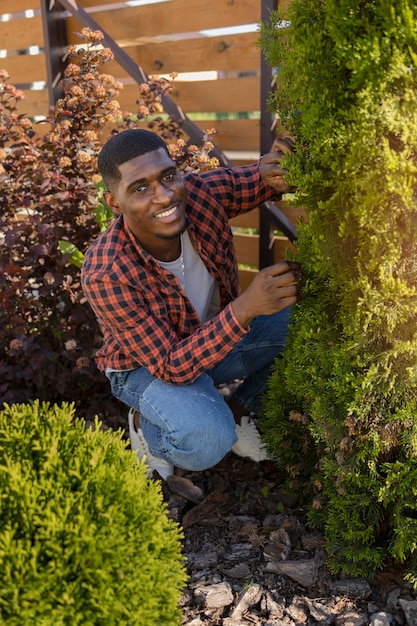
{"x":341,"y":410}
{"x":84,"y":535}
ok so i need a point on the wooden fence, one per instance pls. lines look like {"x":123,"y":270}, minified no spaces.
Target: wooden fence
{"x":198,"y":40}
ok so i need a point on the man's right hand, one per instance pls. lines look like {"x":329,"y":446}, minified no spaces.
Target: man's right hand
{"x":273,"y":289}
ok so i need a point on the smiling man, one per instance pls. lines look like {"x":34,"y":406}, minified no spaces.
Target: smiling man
{"x":163,"y":283}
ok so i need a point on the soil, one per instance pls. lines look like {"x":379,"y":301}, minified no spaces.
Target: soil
{"x":252,"y":559}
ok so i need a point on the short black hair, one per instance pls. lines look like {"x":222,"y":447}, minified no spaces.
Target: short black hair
{"x":123,"y":147}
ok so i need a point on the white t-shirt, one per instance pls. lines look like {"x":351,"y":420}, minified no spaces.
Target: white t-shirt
{"x":195,"y":279}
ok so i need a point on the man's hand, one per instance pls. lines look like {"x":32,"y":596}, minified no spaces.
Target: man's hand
{"x":270,"y":168}
{"x":273,"y":289}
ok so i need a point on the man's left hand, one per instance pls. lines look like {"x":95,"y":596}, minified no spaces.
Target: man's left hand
{"x":270,"y":167}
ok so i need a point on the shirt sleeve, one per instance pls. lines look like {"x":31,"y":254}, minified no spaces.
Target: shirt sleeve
{"x":239,"y":189}
{"x":150,"y":339}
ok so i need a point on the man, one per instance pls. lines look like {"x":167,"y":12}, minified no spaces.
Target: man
{"x":163,"y":282}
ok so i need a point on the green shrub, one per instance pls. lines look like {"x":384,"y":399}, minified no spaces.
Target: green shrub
{"x":84,"y":536}
{"x":341,"y":411}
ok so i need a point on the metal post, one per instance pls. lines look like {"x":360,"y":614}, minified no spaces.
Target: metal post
{"x":267,"y":118}
{"x":55,"y":38}
{"x":266,"y":225}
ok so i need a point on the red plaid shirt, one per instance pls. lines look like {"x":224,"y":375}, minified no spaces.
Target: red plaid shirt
{"x":146,"y":318}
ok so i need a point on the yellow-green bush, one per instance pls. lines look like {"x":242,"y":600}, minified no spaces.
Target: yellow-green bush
{"x":84,"y":536}
{"x":341,"y":412}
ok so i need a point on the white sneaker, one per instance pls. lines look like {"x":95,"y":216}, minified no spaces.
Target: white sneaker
{"x":249,"y":444}
{"x":138,"y":443}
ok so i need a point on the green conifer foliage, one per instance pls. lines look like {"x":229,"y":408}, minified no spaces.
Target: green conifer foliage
{"x":341,"y":410}
{"x":84,"y":536}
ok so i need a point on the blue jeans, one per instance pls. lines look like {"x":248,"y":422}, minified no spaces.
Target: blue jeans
{"x":191,"y":426}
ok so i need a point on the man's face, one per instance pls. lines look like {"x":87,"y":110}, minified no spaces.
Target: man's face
{"x":151,"y":196}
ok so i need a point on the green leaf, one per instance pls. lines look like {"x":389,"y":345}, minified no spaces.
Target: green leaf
{"x":76,"y":257}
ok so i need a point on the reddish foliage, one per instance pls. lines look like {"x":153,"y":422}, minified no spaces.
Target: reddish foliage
{"x":48,"y":193}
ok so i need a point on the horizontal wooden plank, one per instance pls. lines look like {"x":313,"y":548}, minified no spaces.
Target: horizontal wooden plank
{"x":225,"y":95}
{"x":233,"y":134}
{"x":16,"y":6}
{"x":227,"y":131}
{"x":248,"y":220}
{"x":25,"y":68}
{"x":236,"y":160}
{"x":20,"y":34}
{"x":281,"y":247}
{"x":166,"y":18}
{"x":294,"y":213}
{"x":237,"y":53}
{"x":246,"y":277}
{"x":177,"y":60}
{"x":216,"y":96}
{"x":233,"y":94}
{"x":35,"y":103}
{"x":251,"y":219}
{"x":247,"y":248}
{"x":229,"y":94}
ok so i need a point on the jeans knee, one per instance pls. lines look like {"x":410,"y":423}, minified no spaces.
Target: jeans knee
{"x":201,"y":450}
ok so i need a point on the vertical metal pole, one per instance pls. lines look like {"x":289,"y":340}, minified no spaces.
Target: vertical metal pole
{"x":266,"y":226}
{"x":55,"y":38}
{"x":267,"y":118}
